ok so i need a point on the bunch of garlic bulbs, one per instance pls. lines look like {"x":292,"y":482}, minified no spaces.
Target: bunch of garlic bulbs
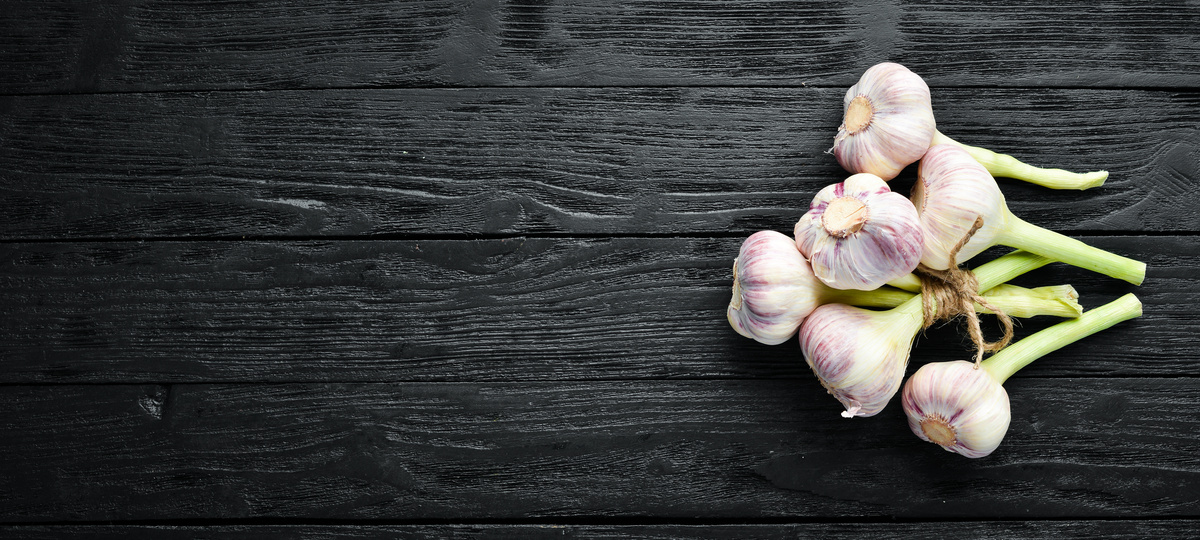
{"x":859,"y":244}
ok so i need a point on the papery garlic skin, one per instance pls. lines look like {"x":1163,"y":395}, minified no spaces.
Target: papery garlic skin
{"x":774,"y":288}
{"x":951,"y":191}
{"x":957,"y":406}
{"x":859,"y":355}
{"x":888,"y":122}
{"x":858,"y":234}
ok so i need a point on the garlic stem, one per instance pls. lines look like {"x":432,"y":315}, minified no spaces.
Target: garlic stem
{"x":1009,"y":167}
{"x":1024,"y":235}
{"x":909,"y":282}
{"x":883,"y":297}
{"x":1055,"y":301}
{"x":1005,"y":363}
{"x":991,"y":274}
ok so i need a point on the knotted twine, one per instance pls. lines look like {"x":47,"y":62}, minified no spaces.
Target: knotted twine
{"x":946,"y":294}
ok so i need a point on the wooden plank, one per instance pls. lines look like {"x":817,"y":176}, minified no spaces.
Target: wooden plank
{"x":485,"y":310}
{"x":1076,"y":448}
{"x":531,"y":161}
{"x":123,"y":45}
{"x":1088,"y":529}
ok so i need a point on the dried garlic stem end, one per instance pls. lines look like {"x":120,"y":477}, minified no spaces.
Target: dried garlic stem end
{"x":844,"y":217}
{"x":858,"y":114}
{"x":1010,"y":167}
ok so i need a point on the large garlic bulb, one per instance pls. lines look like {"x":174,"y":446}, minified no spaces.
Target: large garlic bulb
{"x":858,"y":234}
{"x":957,"y":406}
{"x":888,"y":122}
{"x":953,"y":190}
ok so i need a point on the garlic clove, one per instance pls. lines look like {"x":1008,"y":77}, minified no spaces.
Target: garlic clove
{"x":888,"y":122}
{"x":957,"y":406}
{"x":858,"y":234}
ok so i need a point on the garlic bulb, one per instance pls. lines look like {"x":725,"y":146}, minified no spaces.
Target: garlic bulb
{"x":888,"y":124}
{"x":953,"y":189}
{"x":964,"y":408}
{"x":957,"y":406}
{"x":858,"y":234}
{"x":860,"y":355}
{"x":774,"y":289}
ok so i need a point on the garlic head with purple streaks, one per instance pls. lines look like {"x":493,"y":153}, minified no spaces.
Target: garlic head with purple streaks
{"x":858,"y":234}
{"x":963,"y":407}
{"x":888,"y":122}
{"x":774,"y":289}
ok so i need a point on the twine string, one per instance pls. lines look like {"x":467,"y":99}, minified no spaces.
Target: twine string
{"x":949,"y":293}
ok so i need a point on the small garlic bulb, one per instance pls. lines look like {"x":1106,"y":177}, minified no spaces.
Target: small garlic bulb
{"x":953,"y":190}
{"x":888,"y":122}
{"x":858,"y":234}
{"x":859,"y":355}
{"x":773,"y":288}
{"x":957,"y":406}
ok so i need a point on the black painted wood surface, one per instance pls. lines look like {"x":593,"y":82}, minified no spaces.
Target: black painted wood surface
{"x":453,"y":268}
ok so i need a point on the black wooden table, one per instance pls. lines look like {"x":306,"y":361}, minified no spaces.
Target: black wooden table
{"x":454,"y":268}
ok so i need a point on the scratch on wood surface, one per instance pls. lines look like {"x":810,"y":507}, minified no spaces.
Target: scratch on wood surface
{"x":305,"y":204}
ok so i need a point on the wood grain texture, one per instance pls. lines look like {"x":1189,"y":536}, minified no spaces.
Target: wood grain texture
{"x":980,"y":530}
{"x":1077,"y":448}
{"x":139,"y":45}
{"x":534,"y":161}
{"x":487,"y":310}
